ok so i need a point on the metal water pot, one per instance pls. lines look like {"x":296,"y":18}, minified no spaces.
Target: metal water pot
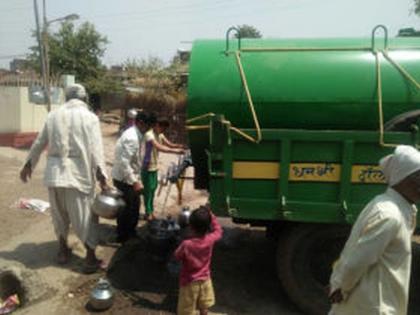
{"x":161,"y":238}
{"x":102,"y":295}
{"x":108,"y":203}
{"x":184,"y":217}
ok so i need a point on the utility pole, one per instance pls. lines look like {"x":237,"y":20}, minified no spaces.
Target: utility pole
{"x":44,"y":46}
{"x":41,"y":47}
{"x":46,"y":59}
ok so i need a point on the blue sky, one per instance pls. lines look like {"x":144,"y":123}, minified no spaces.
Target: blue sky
{"x":140,"y":28}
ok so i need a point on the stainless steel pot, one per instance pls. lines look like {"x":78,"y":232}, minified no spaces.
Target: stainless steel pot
{"x":113,"y":192}
{"x":161,"y":237}
{"x":102,"y":295}
{"x":108,"y":203}
{"x":184,"y":217}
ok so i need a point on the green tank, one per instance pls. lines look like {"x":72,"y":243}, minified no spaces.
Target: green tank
{"x":302,"y":89}
{"x":312,"y":166}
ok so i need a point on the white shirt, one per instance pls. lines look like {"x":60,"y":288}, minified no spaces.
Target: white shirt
{"x":75,"y":151}
{"x":373,"y":271}
{"x":127,"y":164}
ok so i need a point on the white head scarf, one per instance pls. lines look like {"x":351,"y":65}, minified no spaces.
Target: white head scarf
{"x":77,"y":91}
{"x":132,"y":113}
{"x":403,"y":162}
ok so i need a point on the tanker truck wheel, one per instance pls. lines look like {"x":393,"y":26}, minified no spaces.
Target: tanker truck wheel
{"x":403,"y":122}
{"x":305,"y":255}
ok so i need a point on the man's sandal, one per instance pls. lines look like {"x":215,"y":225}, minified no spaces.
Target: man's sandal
{"x":99,"y":265}
{"x":63,"y":256}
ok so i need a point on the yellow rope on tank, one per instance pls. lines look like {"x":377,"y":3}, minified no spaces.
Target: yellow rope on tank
{"x":303,"y":49}
{"x":401,"y":69}
{"x":380,"y":107}
{"x":243,"y":134}
{"x":197,"y":127}
{"x":199,"y":117}
{"x":250,"y":102}
{"x":206,"y":127}
{"x":251,"y":106}
{"x":405,"y":73}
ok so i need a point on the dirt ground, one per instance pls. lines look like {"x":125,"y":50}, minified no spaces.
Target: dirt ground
{"x":243,"y":265}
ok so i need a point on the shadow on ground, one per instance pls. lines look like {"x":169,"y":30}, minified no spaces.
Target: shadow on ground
{"x":413,"y":303}
{"x":143,"y":280}
{"x":41,"y":255}
{"x":243,"y":275}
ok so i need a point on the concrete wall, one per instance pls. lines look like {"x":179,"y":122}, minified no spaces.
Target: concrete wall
{"x":18,"y":114}
{"x":9,"y":109}
{"x":32,"y":116}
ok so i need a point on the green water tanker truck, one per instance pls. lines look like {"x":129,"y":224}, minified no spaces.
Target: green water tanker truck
{"x":287,"y":134}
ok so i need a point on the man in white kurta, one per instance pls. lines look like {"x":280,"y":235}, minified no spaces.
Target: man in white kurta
{"x":373,"y":272}
{"x":126,"y":176}
{"x":73,"y":140}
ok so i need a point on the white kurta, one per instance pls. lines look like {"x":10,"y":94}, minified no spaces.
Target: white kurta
{"x":75,"y":152}
{"x":73,"y":136}
{"x":373,"y":271}
{"x":128,"y":150}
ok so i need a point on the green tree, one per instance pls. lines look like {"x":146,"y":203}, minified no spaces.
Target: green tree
{"x":408,"y":32}
{"x":152,"y":67}
{"x":249,"y":31}
{"x":78,"y":51}
{"x":156,"y":78}
{"x":153,"y":74}
{"x":417,"y":7}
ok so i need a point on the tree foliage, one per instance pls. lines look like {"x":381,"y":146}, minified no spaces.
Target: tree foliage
{"x":249,"y":31}
{"x":417,"y":7}
{"x":77,"y":51}
{"x":152,"y":73}
{"x":408,"y":32}
{"x":152,"y":67}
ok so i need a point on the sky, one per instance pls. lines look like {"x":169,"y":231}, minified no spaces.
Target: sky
{"x":143,"y":28}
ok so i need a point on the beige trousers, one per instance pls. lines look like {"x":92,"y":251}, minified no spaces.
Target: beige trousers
{"x":71,"y":206}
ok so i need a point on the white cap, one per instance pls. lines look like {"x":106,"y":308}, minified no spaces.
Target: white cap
{"x":75,"y":91}
{"x":132,"y":113}
{"x":402,"y":163}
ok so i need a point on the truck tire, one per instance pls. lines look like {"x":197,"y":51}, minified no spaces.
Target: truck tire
{"x":403,"y":122}
{"x":305,"y":255}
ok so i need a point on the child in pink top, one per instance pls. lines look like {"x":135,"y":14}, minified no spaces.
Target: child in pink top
{"x":196,"y":289}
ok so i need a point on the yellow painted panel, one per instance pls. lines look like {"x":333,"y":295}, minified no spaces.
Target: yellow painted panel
{"x":314,"y":172}
{"x":255,"y":170}
{"x":308,"y":172}
{"x":367,"y":174}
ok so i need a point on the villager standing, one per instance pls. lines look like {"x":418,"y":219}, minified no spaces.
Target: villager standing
{"x":153,"y":145}
{"x":73,"y":139}
{"x":126,"y":176}
{"x":195,"y":253}
{"x":373,"y":273}
{"x":131,"y":120}
{"x":162,"y":126}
